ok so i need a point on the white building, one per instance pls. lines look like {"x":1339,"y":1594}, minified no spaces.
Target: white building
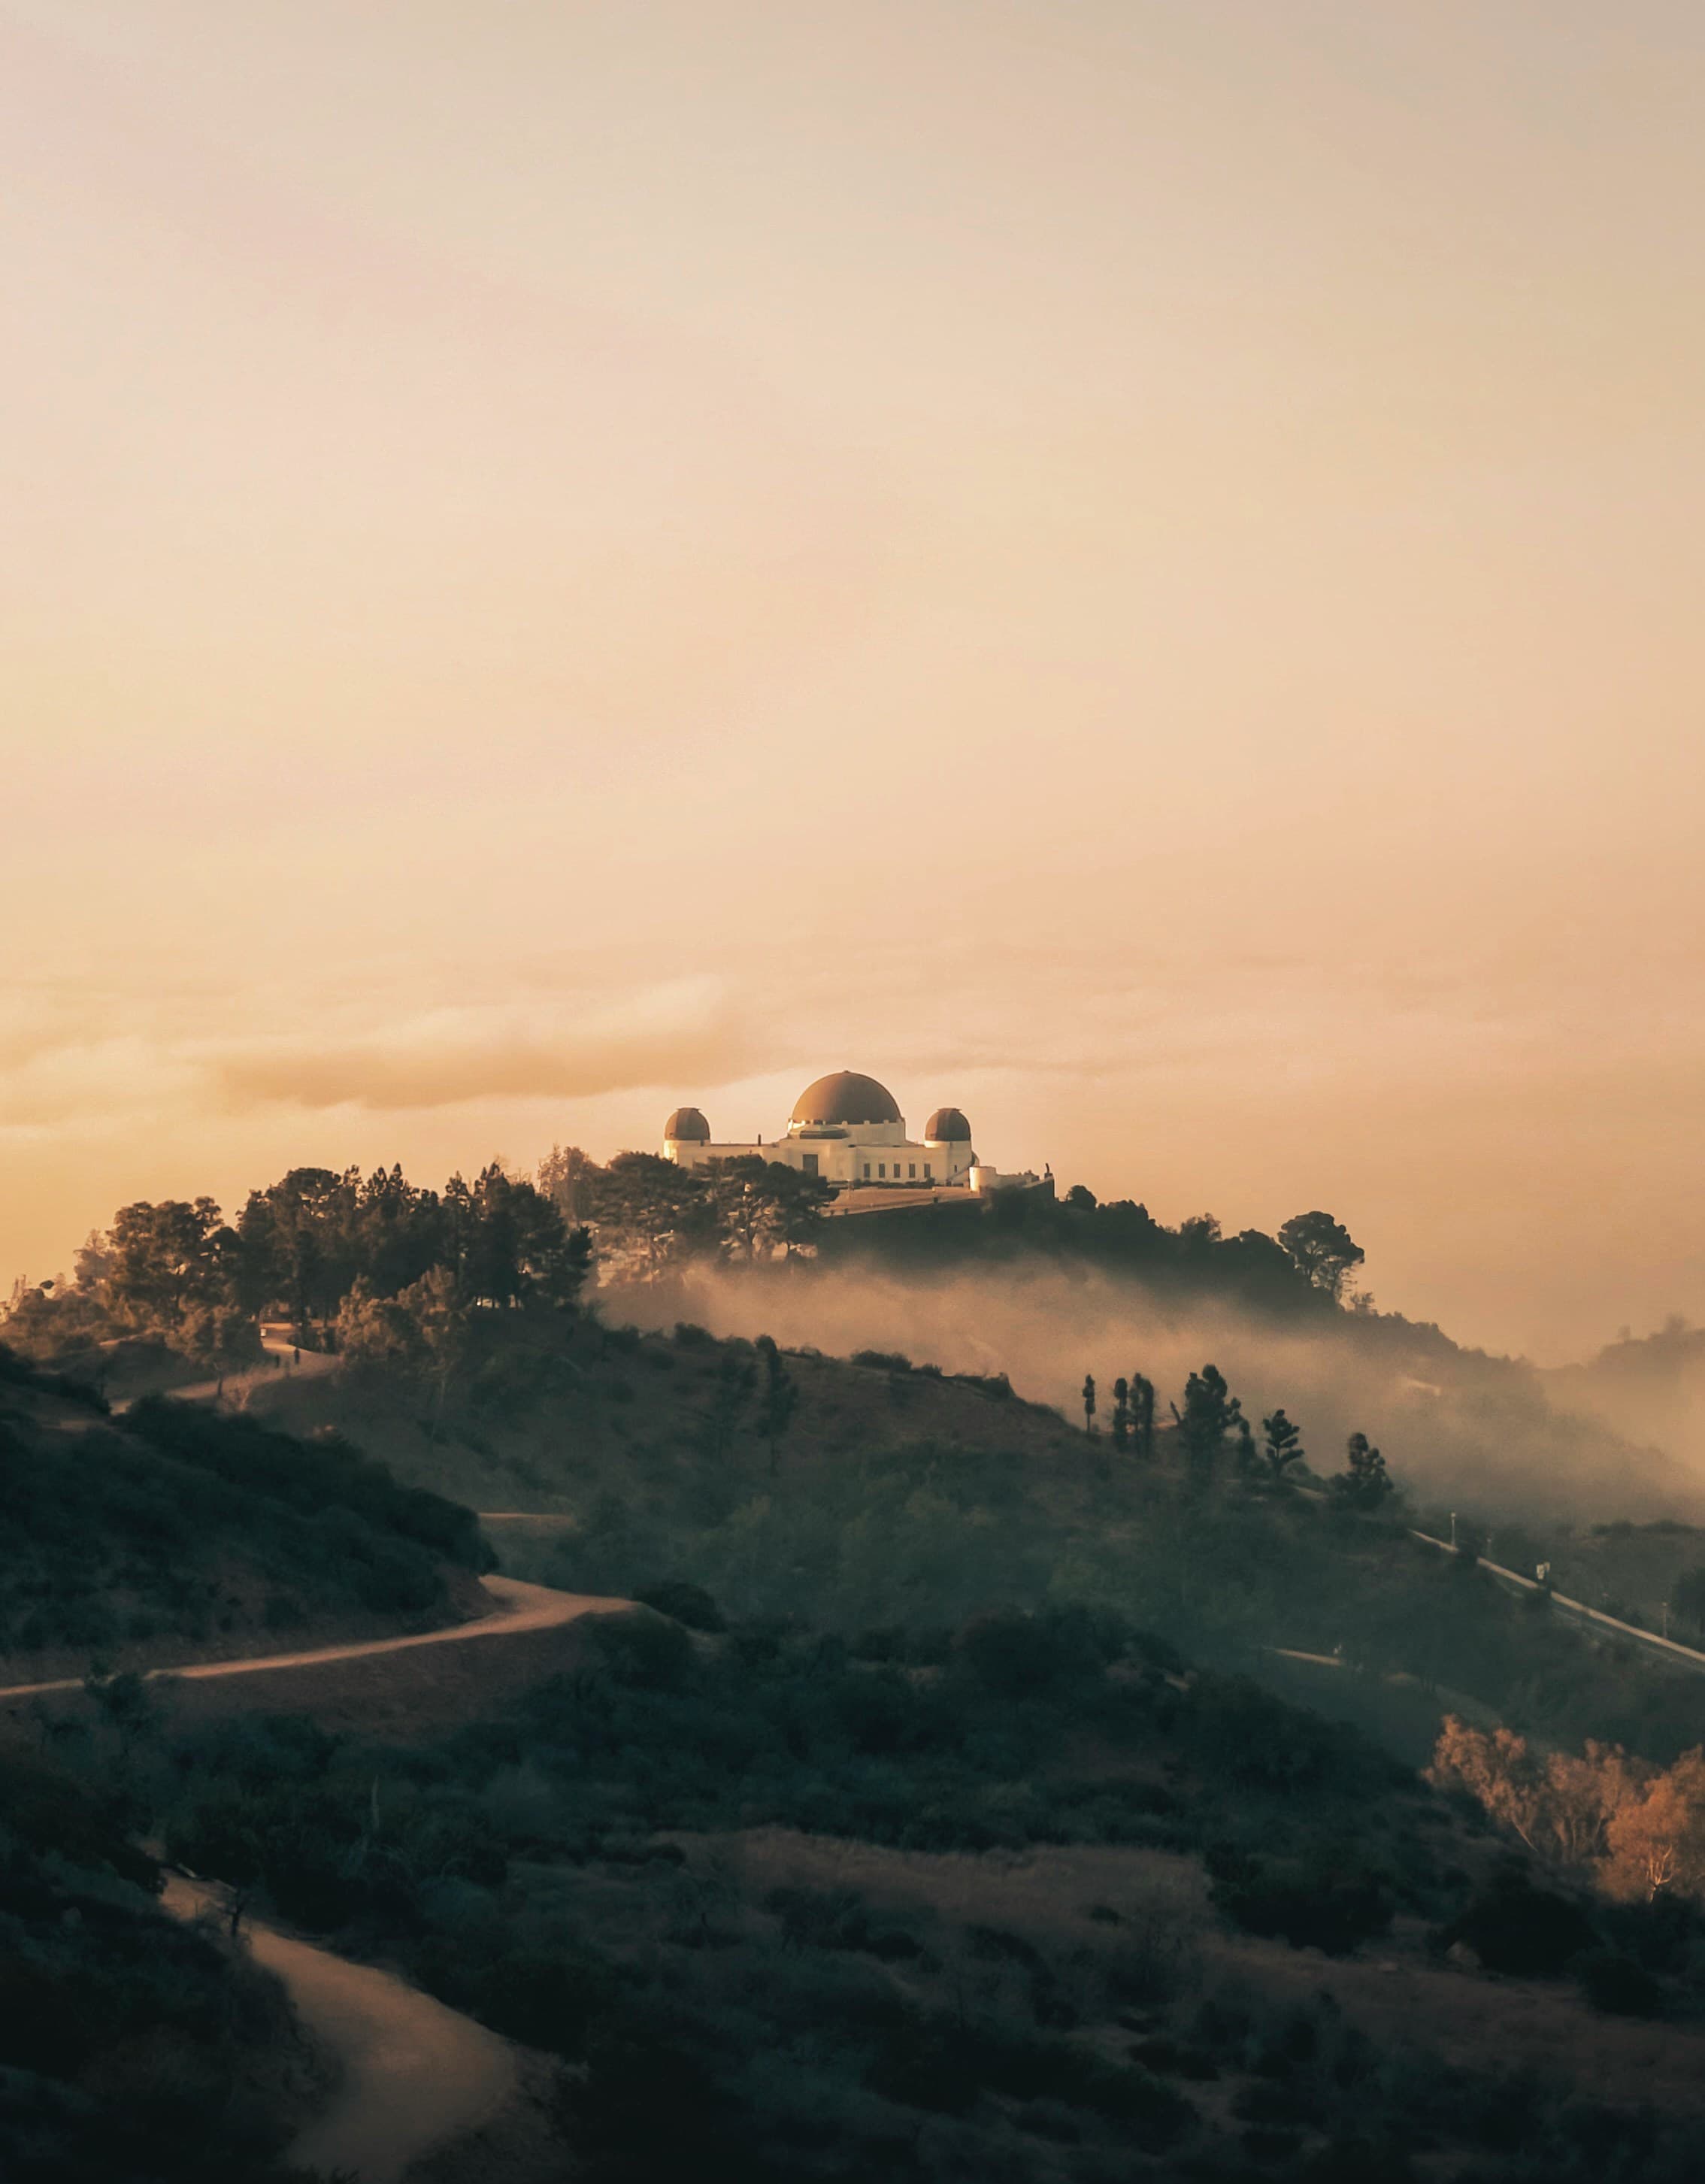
{"x":848,"y":1129}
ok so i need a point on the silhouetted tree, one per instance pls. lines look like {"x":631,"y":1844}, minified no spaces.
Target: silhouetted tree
{"x":1281,"y":1443}
{"x":1323,"y":1248}
{"x":730,"y":1391}
{"x":298,"y":1246}
{"x":655,"y":1211}
{"x":161,"y":1258}
{"x":1364,"y":1482}
{"x":1089,"y":1402}
{"x":565,"y":1176}
{"x":757,"y":1206}
{"x":1143,"y":1415}
{"x":778,"y":1399}
{"x":1121,"y":1412}
{"x":1211,"y":1412}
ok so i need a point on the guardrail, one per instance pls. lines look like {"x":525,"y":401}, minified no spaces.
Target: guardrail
{"x":1686,"y":1655}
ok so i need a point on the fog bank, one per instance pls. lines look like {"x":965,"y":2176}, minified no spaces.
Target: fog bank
{"x":1454,"y":1425}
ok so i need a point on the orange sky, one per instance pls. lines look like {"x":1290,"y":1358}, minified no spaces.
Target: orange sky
{"x":1133,"y":567}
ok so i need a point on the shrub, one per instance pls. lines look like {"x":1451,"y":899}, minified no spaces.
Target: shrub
{"x":1617,"y":1985}
{"x":1328,"y":1910}
{"x":684,"y":1603}
{"x":1016,"y":1655}
{"x":1515,"y":1928}
{"x":644,"y":1648}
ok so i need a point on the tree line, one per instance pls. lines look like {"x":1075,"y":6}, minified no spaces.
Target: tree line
{"x":377,"y":1265}
{"x":1308,"y":1267}
{"x":380,"y":1267}
{"x":1215,"y":1436}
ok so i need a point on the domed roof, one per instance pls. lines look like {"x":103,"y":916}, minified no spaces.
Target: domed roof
{"x":688,"y":1124}
{"x":845,"y":1097}
{"x":947,"y":1127}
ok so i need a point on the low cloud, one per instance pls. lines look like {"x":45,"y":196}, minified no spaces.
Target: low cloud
{"x":671,"y":1034}
{"x":1456,"y":1426}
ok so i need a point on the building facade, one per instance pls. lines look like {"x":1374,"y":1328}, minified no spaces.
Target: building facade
{"x":847,"y":1128}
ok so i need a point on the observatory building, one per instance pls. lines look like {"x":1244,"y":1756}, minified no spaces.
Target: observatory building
{"x":848,"y":1129}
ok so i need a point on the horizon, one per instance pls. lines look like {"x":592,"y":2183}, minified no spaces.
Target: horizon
{"x":1135,"y":572}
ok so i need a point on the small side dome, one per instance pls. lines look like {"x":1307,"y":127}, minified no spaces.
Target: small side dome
{"x":845,"y":1097}
{"x":947,"y":1126}
{"x":687,"y":1123}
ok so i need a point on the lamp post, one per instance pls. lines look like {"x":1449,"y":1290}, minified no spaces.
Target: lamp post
{"x":1453,"y":1528}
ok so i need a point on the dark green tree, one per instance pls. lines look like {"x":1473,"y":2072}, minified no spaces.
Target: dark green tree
{"x":1209,"y":1416}
{"x":1323,"y":1249}
{"x":565,"y":1177}
{"x":1122,"y":1413}
{"x":730,"y":1392}
{"x":1364,"y":1482}
{"x":778,"y":1398}
{"x":1143,"y":1415}
{"x":1281,"y":1443}
{"x":299,"y":1246}
{"x":649,"y":1214}
{"x":1089,"y":1402}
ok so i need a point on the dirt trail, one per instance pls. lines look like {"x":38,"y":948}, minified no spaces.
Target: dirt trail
{"x":414,"y":2075}
{"x":283,"y":1359}
{"x":522,"y":1607}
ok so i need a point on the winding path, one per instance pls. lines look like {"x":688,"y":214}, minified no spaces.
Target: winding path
{"x":413,"y":2075}
{"x":284,"y":1360}
{"x":522,"y":1607}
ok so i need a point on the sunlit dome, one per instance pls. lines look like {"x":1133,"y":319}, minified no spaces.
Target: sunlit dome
{"x":845,"y":1097}
{"x":687,"y":1123}
{"x":947,"y":1126}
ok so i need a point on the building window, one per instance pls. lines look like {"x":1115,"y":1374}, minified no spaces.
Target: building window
{"x":866,"y":1171}
{"x":926,"y":1170}
{"x":809,"y":1164}
{"x":882,"y":1169}
{"x":910,"y":1169}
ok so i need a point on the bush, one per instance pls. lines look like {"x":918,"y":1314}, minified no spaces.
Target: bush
{"x":684,"y":1603}
{"x":1515,"y":1928}
{"x":644,"y":1648}
{"x":1617,"y":1985}
{"x":1333,"y":1911}
{"x":1016,"y":1655}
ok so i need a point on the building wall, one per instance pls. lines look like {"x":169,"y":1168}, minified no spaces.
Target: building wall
{"x":868,"y":1152}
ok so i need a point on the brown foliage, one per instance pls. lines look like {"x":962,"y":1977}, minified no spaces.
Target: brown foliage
{"x":1634,"y":1829}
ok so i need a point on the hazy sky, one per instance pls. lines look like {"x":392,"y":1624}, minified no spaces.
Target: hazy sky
{"x":1135,"y":566}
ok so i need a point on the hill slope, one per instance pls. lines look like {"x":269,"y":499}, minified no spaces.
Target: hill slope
{"x":174,"y":1534}
{"x":901,"y":1497}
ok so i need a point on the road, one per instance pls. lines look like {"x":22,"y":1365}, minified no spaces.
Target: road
{"x":520,"y":1607}
{"x":412,"y":2073}
{"x":1668,"y":1649}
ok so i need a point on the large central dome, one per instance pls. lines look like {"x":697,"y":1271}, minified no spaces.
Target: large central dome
{"x":845,"y":1097}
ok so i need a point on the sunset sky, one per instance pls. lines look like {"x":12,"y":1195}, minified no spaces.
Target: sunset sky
{"x":1137,"y":567}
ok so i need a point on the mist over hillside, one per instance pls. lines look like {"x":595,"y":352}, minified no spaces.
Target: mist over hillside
{"x":1652,"y":1386}
{"x":1452,"y":1422}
